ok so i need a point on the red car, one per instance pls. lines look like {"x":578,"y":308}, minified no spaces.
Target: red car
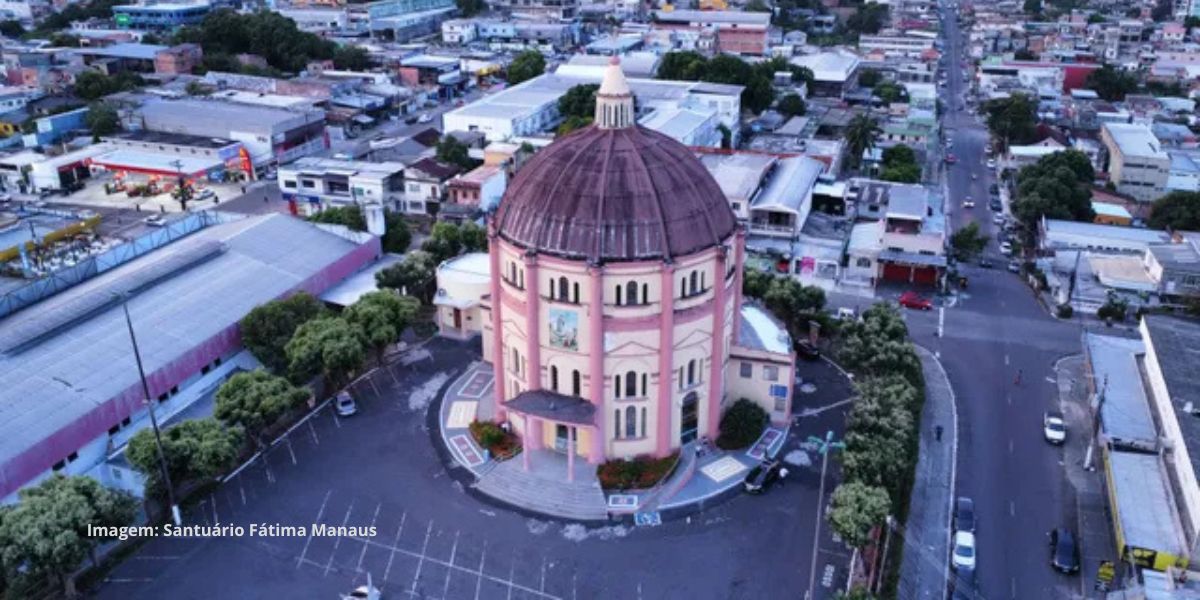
{"x":913,"y":300}
{"x":951,"y":159}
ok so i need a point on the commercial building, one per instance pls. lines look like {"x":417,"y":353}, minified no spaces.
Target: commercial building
{"x":313,"y":184}
{"x":162,"y":16}
{"x":903,"y":237}
{"x":1057,"y":235}
{"x":156,"y":153}
{"x":736,"y":32}
{"x":542,"y":10}
{"x":403,"y":20}
{"x":69,"y":403}
{"x":834,"y":72}
{"x":1137,"y":163}
{"x":911,"y":46}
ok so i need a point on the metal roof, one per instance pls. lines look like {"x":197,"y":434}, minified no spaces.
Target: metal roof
{"x":1144,"y":507}
{"x":1125,"y":414}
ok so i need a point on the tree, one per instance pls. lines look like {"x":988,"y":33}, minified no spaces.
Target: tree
{"x":968,"y":242}
{"x":889,"y":92}
{"x":195,"y":88}
{"x":396,"y":235}
{"x":682,"y":66}
{"x":255,"y":400}
{"x":102,"y":119}
{"x":795,"y":304}
{"x":414,"y":275}
{"x":11,"y":28}
{"x":351,"y":58}
{"x":383,"y":315}
{"x":1191,"y":22}
{"x":742,"y":424}
{"x":328,"y":346}
{"x":757,"y":6}
{"x":1096,"y":18}
{"x":92,"y":85}
{"x":1163,"y":11}
{"x":579,"y":101}
{"x":792,"y":105}
{"x":900,"y":165}
{"x":869,"y":78}
{"x":276,"y":38}
{"x":1176,"y":211}
{"x":868,"y":19}
{"x":1032,"y":8}
{"x":758,"y":92}
{"x":470,"y":8}
{"x":1111,"y":84}
{"x":64,"y":40}
{"x":858,"y":593}
{"x":755,"y":283}
{"x":572,"y":123}
{"x":526,"y":66}
{"x":473,"y":237}
{"x":195,"y":449}
{"x":1058,"y":186}
{"x":444,"y":242}
{"x":453,"y":152}
{"x":46,"y":533}
{"x":856,"y":509}
{"x":267,"y":328}
{"x":1012,"y":120}
{"x":861,"y":134}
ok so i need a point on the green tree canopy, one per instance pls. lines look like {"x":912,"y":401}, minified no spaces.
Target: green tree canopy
{"x":415,"y":275}
{"x":276,"y":38}
{"x":267,"y":328}
{"x":968,"y":241}
{"x":255,"y":400}
{"x":444,"y":242}
{"x":351,"y":58}
{"x":572,"y":123}
{"x":473,"y":237}
{"x":1013,"y":120}
{"x":102,"y":119}
{"x":759,"y":92}
{"x":93,"y":85}
{"x":453,"y":152}
{"x":1032,"y":7}
{"x":11,"y":28}
{"x":868,"y":19}
{"x":869,"y":78}
{"x":1176,"y":210}
{"x":1112,"y":84}
{"x":579,"y":101}
{"x":470,"y":8}
{"x":795,"y":304}
{"x":526,"y":66}
{"x":195,"y":449}
{"x":1058,"y":186}
{"x":889,"y":92}
{"x":396,"y":234}
{"x":741,"y":424}
{"x":328,"y":346}
{"x":792,"y":105}
{"x":856,"y":509}
{"x":861,"y":134}
{"x":46,"y":532}
{"x":383,"y":315}
{"x":900,"y":165}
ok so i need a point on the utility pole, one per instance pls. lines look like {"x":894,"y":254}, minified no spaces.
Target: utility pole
{"x":824,"y":446}
{"x":184,"y":188}
{"x":1087,"y":461}
{"x":162,"y":457}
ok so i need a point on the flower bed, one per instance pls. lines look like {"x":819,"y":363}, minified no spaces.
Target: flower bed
{"x":501,"y":444}
{"x":641,"y":472}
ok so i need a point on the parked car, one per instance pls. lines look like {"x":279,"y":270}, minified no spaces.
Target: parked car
{"x":425,"y":118}
{"x":5,"y":197}
{"x":1006,"y":247}
{"x":410,"y":120}
{"x":991,"y":163}
{"x":915,"y":301}
{"x":993,"y":189}
{"x":1064,"y":554}
{"x":995,"y":205}
{"x":964,"y":514}
{"x":985,"y":263}
{"x":345,"y":405}
{"x":963,"y":586}
{"x":963,"y":556}
{"x":762,"y":476}
{"x":1054,"y":428}
{"x":951,"y":159}
{"x":1014,"y":266}
{"x":846,"y":314}
{"x":998,"y":219}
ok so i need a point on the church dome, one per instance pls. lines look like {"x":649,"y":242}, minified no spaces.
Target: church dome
{"x":615,"y":191}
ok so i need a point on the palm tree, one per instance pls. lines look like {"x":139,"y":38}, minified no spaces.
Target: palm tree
{"x":861,"y":135}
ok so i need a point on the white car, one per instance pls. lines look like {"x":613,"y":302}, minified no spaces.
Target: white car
{"x":344,"y":404}
{"x":424,"y":118}
{"x":968,"y":203}
{"x":998,"y":218}
{"x":1054,"y":428}
{"x":155,"y":221}
{"x":1006,"y":247}
{"x":964,"y":550}
{"x":991,"y":163}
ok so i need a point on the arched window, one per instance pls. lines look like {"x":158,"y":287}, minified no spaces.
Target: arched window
{"x":631,"y":292}
{"x":550,"y":289}
{"x":516,"y":366}
{"x":683,"y":291}
{"x":617,"y":423}
{"x":643,"y":421}
{"x":575,"y":293}
{"x":554,"y":378}
{"x":695,"y":281}
{"x":702,"y":285}
{"x":644,"y":378}
{"x":631,"y":384}
{"x":620,"y":293}
{"x":617,"y":385}
{"x":564,"y":289}
{"x":645,"y":293}
{"x":521,"y":279}
{"x":630,"y":422}
{"x":691,"y":372}
{"x":576,"y":384}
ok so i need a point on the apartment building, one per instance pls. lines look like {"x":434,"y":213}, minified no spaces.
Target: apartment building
{"x":1137,"y":164}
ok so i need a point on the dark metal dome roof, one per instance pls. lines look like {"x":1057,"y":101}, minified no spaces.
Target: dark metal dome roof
{"x":615,"y":195}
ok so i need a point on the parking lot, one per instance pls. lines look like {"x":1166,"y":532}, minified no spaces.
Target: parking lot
{"x":434,"y":539}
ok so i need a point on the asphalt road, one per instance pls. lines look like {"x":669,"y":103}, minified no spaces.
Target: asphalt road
{"x":993,"y":333}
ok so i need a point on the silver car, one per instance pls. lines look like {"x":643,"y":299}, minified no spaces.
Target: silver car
{"x":344,"y":404}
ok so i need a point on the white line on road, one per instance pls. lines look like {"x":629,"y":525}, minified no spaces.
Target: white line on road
{"x":453,"y":550}
{"x":337,"y":541}
{"x":542,"y":586}
{"x":318,"y":520}
{"x":387,"y":570}
{"x":1012,"y":508}
{"x":1006,"y":360}
{"x":242,"y":489}
{"x":479,"y":578}
{"x":1010,"y":446}
{"x":941,"y":320}
{"x":313,"y":432}
{"x":420,"y":559}
{"x":1013,"y":585}
{"x":291,"y":452}
{"x":363,"y":554}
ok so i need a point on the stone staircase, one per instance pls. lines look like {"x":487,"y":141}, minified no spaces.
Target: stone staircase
{"x":540,"y":491}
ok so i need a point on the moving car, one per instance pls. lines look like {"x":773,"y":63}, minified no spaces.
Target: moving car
{"x":344,"y":404}
{"x":968,"y":203}
{"x":1006,"y":247}
{"x":1064,"y":554}
{"x":762,"y":476}
{"x":951,"y":159}
{"x":1054,"y":428}
{"x":915,"y":301}
{"x":963,"y":556}
{"x":964,"y":514}
{"x":155,"y":220}
{"x":984,"y":263}
{"x":1014,"y":266}
{"x":425,"y":118}
{"x":991,"y":163}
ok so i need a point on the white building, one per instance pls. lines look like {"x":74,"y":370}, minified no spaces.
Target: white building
{"x":459,"y":31}
{"x":319,"y":183}
{"x":1137,"y":163}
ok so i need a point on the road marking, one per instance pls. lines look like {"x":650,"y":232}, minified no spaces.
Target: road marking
{"x":479,"y":579}
{"x":392,"y":556}
{"x":1010,"y":446}
{"x":1012,"y":508}
{"x":242,"y":489}
{"x":318,"y":520}
{"x":1006,"y":360}
{"x":1013,"y":585}
{"x":542,"y":586}
{"x":453,"y":551}
{"x":290,"y":451}
{"x":313,"y":432}
{"x":421,"y":559}
{"x":1009,"y":398}
{"x":363,"y":554}
{"x":941,"y":320}
{"x":337,"y":541}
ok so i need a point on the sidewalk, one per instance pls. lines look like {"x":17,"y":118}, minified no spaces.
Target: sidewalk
{"x":924,"y":568}
{"x":1089,"y":503}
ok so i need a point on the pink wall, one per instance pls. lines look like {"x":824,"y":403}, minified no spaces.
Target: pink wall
{"x":41,"y":456}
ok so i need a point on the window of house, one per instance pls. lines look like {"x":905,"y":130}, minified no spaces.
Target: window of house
{"x":617,"y":423}
{"x":553,"y":378}
{"x":620,"y":291}
{"x":289,"y":184}
{"x":630,"y":422}
{"x":72,"y":457}
{"x":114,"y":429}
{"x":771,"y":373}
{"x":631,"y":382}
{"x":576,"y":384}
{"x":694,"y":280}
{"x":691,"y":372}
{"x":746,"y":370}
{"x":645,"y":293}
{"x":863,"y":262}
{"x":643,"y":421}
{"x":564,"y":289}
{"x":631,"y":292}
{"x":645,"y":380}
{"x":308,"y":183}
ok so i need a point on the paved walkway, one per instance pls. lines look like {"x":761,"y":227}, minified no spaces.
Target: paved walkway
{"x":924,"y":568}
{"x":1085,"y":496}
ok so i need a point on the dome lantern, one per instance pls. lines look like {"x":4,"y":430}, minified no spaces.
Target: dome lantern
{"x":614,"y":99}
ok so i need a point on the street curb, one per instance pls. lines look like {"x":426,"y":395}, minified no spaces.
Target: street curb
{"x":953,"y":452}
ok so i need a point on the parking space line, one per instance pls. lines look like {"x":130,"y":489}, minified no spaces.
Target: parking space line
{"x":337,"y":541}
{"x":337,"y":421}
{"x":542,"y":585}
{"x":421,"y":558}
{"x":291,"y":451}
{"x":453,"y":551}
{"x":479,"y":577}
{"x":318,"y":520}
{"x":242,"y":490}
{"x":313,"y":432}
{"x":511,"y":571}
{"x":363,"y":554}
{"x":392,"y":556}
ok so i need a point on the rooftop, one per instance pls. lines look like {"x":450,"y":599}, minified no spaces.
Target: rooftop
{"x":738,"y":175}
{"x":1098,"y":233}
{"x":1176,"y":256}
{"x":829,"y":66}
{"x":760,"y":331}
{"x":128,"y":50}
{"x":1125,"y":414}
{"x":1146,"y":512}
{"x":363,"y":282}
{"x":714,"y":16}
{"x":1176,"y":346}
{"x":1135,"y":140}
{"x":176,"y":139}
{"x":790,"y":185}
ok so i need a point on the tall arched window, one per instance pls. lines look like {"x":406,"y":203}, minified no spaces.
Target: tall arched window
{"x":617,"y":423}
{"x":576,"y":384}
{"x":644,"y":378}
{"x":575,"y":293}
{"x":553,"y":378}
{"x":550,"y":289}
{"x":521,"y":279}
{"x":683,"y":291}
{"x":645,"y":293}
{"x":617,"y":385}
{"x":631,"y":384}
{"x":620,"y":295}
{"x":702,"y":284}
{"x":630,"y":422}
{"x":643,"y":421}
{"x":631,"y":292}
{"x":691,"y":372}
{"x":695,"y":281}
{"x":516,"y":366}
{"x":564,"y":289}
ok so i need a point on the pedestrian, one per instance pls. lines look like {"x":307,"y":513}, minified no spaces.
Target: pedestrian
{"x":1017,"y":381}
{"x":265,"y":199}
{"x":937,"y":431}
{"x":243,"y":189}
{"x":783,"y":473}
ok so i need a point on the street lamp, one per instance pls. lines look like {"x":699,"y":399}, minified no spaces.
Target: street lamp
{"x":824,"y":446}
{"x":162,"y":456}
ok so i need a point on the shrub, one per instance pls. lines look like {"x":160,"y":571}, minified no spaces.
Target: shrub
{"x":1065,"y":311}
{"x":741,"y":425}
{"x":501,"y":444}
{"x":637,"y":473}
{"x":1113,"y":309}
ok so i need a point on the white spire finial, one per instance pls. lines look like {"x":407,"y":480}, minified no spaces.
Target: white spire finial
{"x":614,"y":99}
